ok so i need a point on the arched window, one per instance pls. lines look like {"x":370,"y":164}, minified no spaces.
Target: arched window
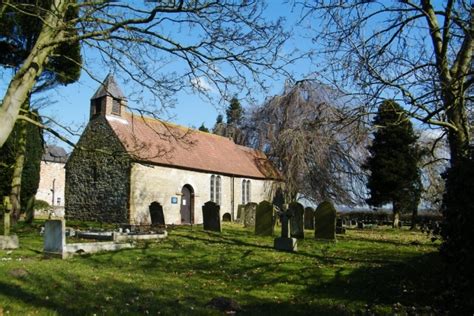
{"x":218,"y":190}
{"x":245,"y":191}
{"x":213,"y":185}
{"x":244,"y":195}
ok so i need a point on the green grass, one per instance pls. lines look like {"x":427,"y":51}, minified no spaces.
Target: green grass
{"x":379,"y":270}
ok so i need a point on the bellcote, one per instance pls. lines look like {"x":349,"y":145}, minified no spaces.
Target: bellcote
{"x":108,"y":99}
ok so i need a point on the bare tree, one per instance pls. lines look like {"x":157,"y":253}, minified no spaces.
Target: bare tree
{"x":315,"y":137}
{"x":164,"y":46}
{"x":416,"y":52}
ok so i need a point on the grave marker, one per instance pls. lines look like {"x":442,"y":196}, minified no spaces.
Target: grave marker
{"x":249,"y":217}
{"x":264,"y":223}
{"x":309,"y":218}
{"x":325,"y":221}
{"x":296,"y":220}
{"x":211,"y":217}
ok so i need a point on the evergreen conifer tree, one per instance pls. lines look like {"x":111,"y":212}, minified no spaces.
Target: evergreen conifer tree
{"x":393,"y":162}
{"x":234,"y":112}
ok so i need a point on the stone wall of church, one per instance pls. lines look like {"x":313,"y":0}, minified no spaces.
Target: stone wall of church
{"x":97,"y":182}
{"x":150,"y":183}
{"x":51,"y":185}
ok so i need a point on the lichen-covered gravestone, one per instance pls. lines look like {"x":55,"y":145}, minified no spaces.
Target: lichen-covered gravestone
{"x":211,"y":217}
{"x":249,"y":214}
{"x":325,"y":221}
{"x":296,"y":220}
{"x":240,"y":213}
{"x":309,"y":218}
{"x":264,"y":219}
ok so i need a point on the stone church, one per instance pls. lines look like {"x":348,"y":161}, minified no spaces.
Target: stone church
{"x":126,"y":164}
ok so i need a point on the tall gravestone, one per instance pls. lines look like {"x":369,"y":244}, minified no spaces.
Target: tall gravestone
{"x":296,"y":220}
{"x":54,"y":237}
{"x":156,"y":214}
{"x":240,"y":213}
{"x":325,"y":221}
{"x":211,"y":217}
{"x":308,"y":218}
{"x":264,"y":219}
{"x":249,"y":217}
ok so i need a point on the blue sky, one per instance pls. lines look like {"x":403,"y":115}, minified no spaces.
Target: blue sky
{"x":69,"y":105}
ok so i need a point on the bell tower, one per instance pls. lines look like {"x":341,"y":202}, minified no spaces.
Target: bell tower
{"x":108,"y":99}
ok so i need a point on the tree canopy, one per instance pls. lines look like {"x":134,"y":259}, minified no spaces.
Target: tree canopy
{"x":311,"y":135}
{"x":394,"y":161}
{"x":232,"y":45}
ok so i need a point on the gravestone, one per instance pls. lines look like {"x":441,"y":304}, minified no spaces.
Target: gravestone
{"x":296,"y":220}
{"x":339,"y":228}
{"x":309,"y":218}
{"x":227,"y":217}
{"x":360,"y":225}
{"x":284,"y":242}
{"x":211,"y":217}
{"x":264,"y":219}
{"x":249,"y":214}
{"x":7,"y":211}
{"x":325,"y":221}
{"x":54,"y":236}
{"x":240,"y":213}
{"x":156,"y":214}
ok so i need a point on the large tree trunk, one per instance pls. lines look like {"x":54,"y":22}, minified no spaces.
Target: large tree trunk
{"x":25,"y":78}
{"x":15,"y":192}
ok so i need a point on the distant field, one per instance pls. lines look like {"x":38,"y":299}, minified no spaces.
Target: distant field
{"x":379,"y":270}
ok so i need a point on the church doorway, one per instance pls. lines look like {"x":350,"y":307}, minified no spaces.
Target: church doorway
{"x":187,"y":205}
{"x":156,"y":214}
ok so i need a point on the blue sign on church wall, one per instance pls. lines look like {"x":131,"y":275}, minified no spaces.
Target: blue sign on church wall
{"x":174,"y":200}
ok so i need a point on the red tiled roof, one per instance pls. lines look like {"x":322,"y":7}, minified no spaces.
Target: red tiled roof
{"x":151,"y":140}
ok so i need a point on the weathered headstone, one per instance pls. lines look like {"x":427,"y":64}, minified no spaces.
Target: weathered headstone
{"x":284,"y":242}
{"x":156,"y":214}
{"x":339,"y":228}
{"x":211,"y":217}
{"x":54,"y":236}
{"x":360,"y":225}
{"x":325,"y":221}
{"x":309,"y":218}
{"x":7,"y":210}
{"x":264,"y":219}
{"x":296,"y":220}
{"x":249,"y":214}
{"x":240,"y":213}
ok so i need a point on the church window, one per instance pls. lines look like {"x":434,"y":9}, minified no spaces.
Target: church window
{"x":116,"y":106}
{"x":216,"y":189}
{"x":96,"y":106}
{"x":245,"y":191}
{"x":213,"y":185}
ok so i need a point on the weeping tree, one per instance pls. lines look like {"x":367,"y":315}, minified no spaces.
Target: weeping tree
{"x":393,"y":163}
{"x":419,"y":53}
{"x":312,"y":134}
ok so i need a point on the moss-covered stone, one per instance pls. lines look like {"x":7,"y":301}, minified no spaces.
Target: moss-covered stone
{"x":264,"y":222}
{"x":325,"y":221}
{"x":296,"y":220}
{"x":98,"y":176}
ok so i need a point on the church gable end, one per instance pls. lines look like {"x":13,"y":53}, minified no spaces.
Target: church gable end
{"x":98,"y":176}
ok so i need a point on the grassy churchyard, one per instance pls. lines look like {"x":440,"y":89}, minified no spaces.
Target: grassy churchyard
{"x":381,"y":271}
